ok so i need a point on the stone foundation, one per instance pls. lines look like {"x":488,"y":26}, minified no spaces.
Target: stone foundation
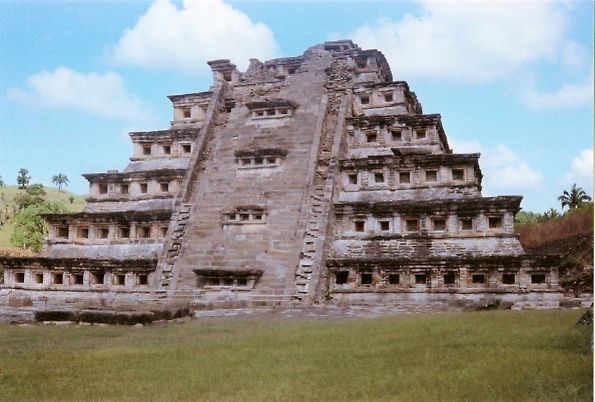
{"x":422,"y":301}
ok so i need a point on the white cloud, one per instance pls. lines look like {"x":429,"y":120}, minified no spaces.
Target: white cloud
{"x":503,"y":169}
{"x":464,"y":147}
{"x":581,"y":169}
{"x":573,"y":55}
{"x":100,"y":94}
{"x":166,"y":37}
{"x":507,"y":170}
{"x":569,"y":95}
{"x":474,"y":41}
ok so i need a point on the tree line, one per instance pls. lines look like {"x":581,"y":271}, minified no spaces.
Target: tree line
{"x":23,"y":179}
{"x":30,"y":228}
{"x":574,"y":199}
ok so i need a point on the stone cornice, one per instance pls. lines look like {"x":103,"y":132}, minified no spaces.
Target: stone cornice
{"x":118,"y":177}
{"x":477,"y":262}
{"x":164,"y":135}
{"x":141,"y":264}
{"x":123,"y":217}
{"x":415,"y":207}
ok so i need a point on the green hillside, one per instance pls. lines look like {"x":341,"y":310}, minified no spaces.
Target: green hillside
{"x":8,"y":208}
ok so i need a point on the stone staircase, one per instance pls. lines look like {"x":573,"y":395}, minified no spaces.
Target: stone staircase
{"x":204,"y":300}
{"x":271,"y":296}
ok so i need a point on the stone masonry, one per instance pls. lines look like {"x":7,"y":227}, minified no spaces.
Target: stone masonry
{"x":302,"y":180}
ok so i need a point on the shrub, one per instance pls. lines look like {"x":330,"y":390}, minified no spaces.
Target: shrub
{"x":30,"y":228}
{"x":576,"y":276}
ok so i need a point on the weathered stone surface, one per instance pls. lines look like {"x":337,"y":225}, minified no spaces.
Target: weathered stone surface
{"x":19,"y":301}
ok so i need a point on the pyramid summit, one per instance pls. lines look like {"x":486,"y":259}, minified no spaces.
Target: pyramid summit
{"x":308,"y":179}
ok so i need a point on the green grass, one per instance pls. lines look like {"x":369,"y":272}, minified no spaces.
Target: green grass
{"x":5,"y":233}
{"x":7,"y":195}
{"x":485,"y":356}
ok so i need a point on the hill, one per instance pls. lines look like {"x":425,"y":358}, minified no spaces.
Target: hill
{"x":571,"y":236}
{"x":9,"y":208}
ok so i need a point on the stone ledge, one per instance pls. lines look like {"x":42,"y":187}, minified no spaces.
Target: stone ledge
{"x":478,"y":291}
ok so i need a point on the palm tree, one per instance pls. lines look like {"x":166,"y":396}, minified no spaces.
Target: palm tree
{"x":60,"y":180}
{"x":575,"y":198}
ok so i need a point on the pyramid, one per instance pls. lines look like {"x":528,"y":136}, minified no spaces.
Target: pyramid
{"x":309,"y":179}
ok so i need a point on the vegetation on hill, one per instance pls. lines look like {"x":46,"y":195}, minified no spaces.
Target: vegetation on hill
{"x":482,"y":356}
{"x":574,"y":199}
{"x":570,"y":235}
{"x":30,"y":229}
{"x":575,"y":222}
{"x":14,"y":199}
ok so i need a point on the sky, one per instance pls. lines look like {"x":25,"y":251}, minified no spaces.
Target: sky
{"x":512,"y":80}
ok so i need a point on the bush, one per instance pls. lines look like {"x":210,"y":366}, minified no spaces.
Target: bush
{"x":34,"y":194}
{"x":576,"y":276}
{"x":30,"y":228}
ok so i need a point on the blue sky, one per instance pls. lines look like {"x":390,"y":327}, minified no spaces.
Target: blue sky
{"x":512,"y":80}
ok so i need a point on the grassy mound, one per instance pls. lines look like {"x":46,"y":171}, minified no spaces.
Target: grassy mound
{"x":486,"y":356}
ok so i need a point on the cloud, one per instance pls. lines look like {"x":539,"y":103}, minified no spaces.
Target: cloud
{"x":464,"y":147}
{"x":100,"y":94}
{"x":507,"y":170}
{"x":166,"y":37}
{"x":477,"y":41}
{"x":581,"y":169}
{"x":503,"y":169}
{"x":567,"y":96}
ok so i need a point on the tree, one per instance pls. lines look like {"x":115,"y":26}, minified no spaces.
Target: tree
{"x":34,"y":194}
{"x":37,"y":191}
{"x":23,"y":178}
{"x":525,"y":217}
{"x":1,"y":181}
{"x":551,"y":214}
{"x":30,"y":228}
{"x":574,"y":198}
{"x":60,"y":180}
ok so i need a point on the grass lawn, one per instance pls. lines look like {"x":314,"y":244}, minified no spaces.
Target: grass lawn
{"x":484,"y":356}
